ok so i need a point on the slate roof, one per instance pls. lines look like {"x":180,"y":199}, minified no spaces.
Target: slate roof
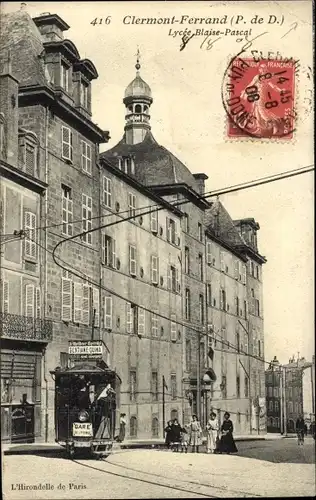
{"x":22,"y":39}
{"x":154,"y":164}
{"x":219,"y":222}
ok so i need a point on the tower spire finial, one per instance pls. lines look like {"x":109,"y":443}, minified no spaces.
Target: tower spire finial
{"x":137,"y":65}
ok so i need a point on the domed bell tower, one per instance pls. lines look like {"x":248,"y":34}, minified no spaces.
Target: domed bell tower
{"x":137,"y":101}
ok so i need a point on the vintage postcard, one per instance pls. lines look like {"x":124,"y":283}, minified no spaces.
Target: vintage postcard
{"x":156,"y":249}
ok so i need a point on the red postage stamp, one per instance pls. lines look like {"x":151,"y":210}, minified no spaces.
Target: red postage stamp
{"x":259,"y":98}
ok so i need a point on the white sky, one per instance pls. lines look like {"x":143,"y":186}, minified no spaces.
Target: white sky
{"x":187,"y":117}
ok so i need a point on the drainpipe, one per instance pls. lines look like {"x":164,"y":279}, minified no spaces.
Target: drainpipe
{"x":45,"y":268}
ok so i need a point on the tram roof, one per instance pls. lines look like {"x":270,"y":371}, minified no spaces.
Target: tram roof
{"x":83,"y":368}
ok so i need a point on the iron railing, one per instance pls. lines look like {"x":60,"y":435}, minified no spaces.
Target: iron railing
{"x":14,"y":326}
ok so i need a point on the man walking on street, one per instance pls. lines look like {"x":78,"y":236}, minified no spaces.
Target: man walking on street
{"x":300,"y":430}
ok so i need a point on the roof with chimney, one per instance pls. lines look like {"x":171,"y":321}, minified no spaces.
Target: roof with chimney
{"x":220,"y":224}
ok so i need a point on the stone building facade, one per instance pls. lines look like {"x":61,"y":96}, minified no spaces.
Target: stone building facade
{"x":165,"y":289}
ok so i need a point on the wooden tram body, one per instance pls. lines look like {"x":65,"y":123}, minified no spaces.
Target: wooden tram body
{"x":86,"y":402}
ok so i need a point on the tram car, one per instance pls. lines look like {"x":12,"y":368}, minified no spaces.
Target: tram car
{"x":86,"y":402}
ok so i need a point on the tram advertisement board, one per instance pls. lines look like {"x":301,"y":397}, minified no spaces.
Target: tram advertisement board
{"x":90,"y":349}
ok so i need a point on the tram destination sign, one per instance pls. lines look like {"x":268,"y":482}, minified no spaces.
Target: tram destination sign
{"x":92,"y":349}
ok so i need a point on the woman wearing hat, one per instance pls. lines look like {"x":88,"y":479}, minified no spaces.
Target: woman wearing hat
{"x":212,"y":433}
{"x":227,"y":443}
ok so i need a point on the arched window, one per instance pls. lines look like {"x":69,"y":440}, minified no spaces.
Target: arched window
{"x":174,"y":414}
{"x":133,"y":427}
{"x":155,"y":427}
{"x":138,"y":108}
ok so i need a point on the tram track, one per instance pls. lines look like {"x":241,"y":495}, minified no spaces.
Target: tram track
{"x":223,"y":491}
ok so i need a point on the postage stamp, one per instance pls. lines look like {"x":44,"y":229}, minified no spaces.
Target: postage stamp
{"x":259,"y":98}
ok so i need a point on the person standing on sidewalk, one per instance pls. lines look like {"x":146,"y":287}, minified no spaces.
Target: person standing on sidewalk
{"x":168,"y":431}
{"x":176,"y":435}
{"x":212,"y":433}
{"x":227,"y":443}
{"x":195,"y":434}
{"x":300,"y":430}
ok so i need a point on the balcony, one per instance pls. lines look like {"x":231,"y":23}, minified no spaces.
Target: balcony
{"x":14,"y":326}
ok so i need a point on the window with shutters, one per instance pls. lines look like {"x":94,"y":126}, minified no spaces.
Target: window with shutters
{"x":3,"y":149}
{"x":130,"y":318}
{"x":224,"y":387}
{"x":86,"y":304}
{"x":172,"y":278}
{"x":5,"y":296}
{"x":86,"y":157}
{"x":154,"y":386}
{"x":257,"y":307}
{"x":259,"y":349}
{"x":107,"y":192}
{"x":245,"y":309}
{"x":257,"y":272}
{"x":222,"y":262}
{"x":77,"y":302}
{"x":187,"y":260}
{"x":154,"y":221}
{"x":38,"y":297}
{"x":209,"y":294}
{"x":187,"y":304}
{"x":86,"y":218}
{"x":186,"y":223}
{"x":200,"y":258}
{"x":246,"y":343}
{"x":154,"y":324}
{"x":244,"y":274}
{"x":64,"y":76}
{"x":238,"y":387}
{"x":223,"y":300}
{"x":201,"y":308}
{"x":173,"y":328}
{"x":209,"y":256}
{"x":200,"y":231}
{"x":30,"y":247}
{"x":84,"y":92}
{"x":66,"y":298}
{"x":154,"y":269}
{"x":29,"y":301}
{"x":108,"y":251}
{"x":67,"y":210}
{"x":246,"y":387}
{"x":171,"y":230}
{"x":66,"y":143}
{"x":28,"y":152}
{"x":131,"y":205}
{"x":188,"y":355}
{"x":96,"y":306}
{"x":173,"y":384}
{"x":108,"y":313}
{"x":238,"y":341}
{"x":30,"y":158}
{"x":141,"y":321}
{"x":132,"y":260}
{"x":133,"y":385}
{"x":237,"y":306}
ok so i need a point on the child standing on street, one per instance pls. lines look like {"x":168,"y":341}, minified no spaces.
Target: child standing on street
{"x":184,"y":440}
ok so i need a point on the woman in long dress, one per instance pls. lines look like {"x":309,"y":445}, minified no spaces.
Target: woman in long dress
{"x":212,"y":433}
{"x":227,"y":443}
{"x":168,"y":431}
{"x":195,"y":434}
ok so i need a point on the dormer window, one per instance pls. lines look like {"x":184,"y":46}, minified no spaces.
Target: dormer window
{"x":84,"y":94}
{"x":28,"y":151}
{"x":64,"y":76}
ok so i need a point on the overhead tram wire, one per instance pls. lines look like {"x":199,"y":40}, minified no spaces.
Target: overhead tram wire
{"x":237,"y":187}
{"x":207,"y":195}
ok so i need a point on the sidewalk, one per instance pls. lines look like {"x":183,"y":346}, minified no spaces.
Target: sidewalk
{"x":30,"y":448}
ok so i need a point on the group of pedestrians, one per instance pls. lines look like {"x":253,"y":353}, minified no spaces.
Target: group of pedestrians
{"x":219,"y":439}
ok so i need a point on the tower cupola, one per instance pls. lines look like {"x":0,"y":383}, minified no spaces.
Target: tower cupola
{"x":137,"y":100}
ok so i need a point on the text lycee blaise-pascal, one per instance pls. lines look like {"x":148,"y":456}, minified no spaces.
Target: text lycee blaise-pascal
{"x":236,"y":20}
